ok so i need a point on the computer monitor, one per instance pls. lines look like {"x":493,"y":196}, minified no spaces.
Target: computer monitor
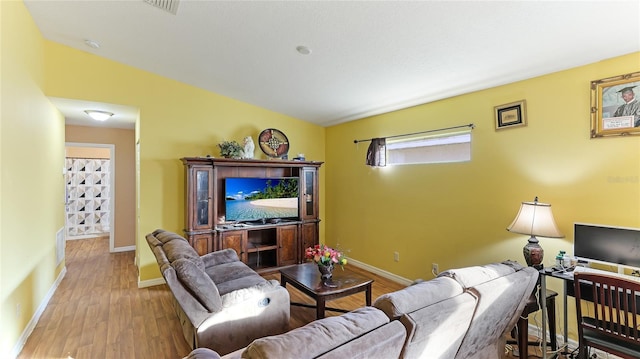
{"x":615,"y":245}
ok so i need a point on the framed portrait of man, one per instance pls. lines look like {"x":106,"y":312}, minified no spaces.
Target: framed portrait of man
{"x":615,"y":106}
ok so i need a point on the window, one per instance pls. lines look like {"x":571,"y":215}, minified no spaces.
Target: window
{"x":454,"y":147}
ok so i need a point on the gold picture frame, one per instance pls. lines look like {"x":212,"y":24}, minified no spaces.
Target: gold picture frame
{"x":511,"y":115}
{"x":615,"y":110}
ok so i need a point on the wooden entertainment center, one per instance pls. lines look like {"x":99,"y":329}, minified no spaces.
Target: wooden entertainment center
{"x":264,"y":246}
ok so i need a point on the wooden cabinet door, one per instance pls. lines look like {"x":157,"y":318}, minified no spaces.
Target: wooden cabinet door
{"x":202,"y":243}
{"x":308,"y":238}
{"x":236,"y":240}
{"x":287,"y":245}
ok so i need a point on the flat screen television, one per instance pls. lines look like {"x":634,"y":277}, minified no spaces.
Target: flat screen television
{"x":607,"y":244}
{"x":257,"y":199}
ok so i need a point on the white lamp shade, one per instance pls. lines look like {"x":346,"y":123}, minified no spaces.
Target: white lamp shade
{"x":535,"y":219}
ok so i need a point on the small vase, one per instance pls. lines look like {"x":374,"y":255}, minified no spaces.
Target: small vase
{"x":326,"y":271}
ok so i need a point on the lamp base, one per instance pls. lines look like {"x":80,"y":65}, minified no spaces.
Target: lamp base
{"x":533,"y":253}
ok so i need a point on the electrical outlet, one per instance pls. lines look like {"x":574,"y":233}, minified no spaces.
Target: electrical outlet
{"x":18,"y":310}
{"x":434,"y":268}
{"x":396,"y":256}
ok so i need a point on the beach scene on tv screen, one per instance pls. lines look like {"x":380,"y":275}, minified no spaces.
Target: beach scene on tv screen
{"x":249,"y":199}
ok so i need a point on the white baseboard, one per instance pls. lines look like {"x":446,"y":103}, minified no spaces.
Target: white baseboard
{"x":36,"y":316}
{"x":380,"y":272}
{"x":123,"y":249}
{"x":151,"y":282}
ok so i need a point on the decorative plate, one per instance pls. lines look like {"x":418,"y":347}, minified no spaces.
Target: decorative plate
{"x":273,"y":143}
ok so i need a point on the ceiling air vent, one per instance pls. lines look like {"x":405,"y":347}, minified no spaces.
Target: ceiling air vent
{"x":166,"y":5}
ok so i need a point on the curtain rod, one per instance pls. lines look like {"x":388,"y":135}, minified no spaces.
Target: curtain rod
{"x":421,"y":132}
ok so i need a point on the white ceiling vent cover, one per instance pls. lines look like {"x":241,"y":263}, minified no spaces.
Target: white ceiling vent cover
{"x":166,"y":5}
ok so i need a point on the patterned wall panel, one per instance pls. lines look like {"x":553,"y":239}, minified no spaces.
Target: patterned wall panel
{"x":88,"y":196}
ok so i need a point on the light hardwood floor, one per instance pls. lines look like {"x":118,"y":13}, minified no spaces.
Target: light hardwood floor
{"x":99,"y":312}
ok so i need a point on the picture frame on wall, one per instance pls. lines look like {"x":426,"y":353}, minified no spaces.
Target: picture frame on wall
{"x":615,"y":106}
{"x":511,"y":115}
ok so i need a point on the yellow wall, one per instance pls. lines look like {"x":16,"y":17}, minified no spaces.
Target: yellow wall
{"x":450,"y":213}
{"x":125,"y":172}
{"x":176,"y":120}
{"x":456,"y":214}
{"x":31,"y":185}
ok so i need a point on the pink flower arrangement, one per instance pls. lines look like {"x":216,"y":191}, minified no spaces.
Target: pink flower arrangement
{"x":323,"y":255}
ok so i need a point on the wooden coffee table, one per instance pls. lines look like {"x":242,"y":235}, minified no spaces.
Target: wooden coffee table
{"x":306,"y":278}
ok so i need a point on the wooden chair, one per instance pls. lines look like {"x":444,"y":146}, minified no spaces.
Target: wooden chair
{"x":612,"y":326}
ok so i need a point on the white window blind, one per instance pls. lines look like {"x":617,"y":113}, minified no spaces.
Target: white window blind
{"x":452,"y":147}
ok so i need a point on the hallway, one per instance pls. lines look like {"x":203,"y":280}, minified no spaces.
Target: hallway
{"x":99,"y":312}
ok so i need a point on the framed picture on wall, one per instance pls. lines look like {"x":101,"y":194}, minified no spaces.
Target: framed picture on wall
{"x":615,"y":106}
{"x":511,"y":115}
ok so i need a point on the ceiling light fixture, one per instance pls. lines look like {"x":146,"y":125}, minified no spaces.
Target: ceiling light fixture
{"x":92,"y":44}
{"x":303,"y":50}
{"x":99,"y":115}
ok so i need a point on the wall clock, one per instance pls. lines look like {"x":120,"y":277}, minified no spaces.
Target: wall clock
{"x":273,"y":143}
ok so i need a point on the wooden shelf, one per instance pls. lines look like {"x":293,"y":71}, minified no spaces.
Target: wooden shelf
{"x":251,"y":247}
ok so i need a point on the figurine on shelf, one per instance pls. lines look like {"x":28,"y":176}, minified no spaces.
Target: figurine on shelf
{"x":249,"y":147}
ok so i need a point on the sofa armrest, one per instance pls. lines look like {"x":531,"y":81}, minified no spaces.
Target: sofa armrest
{"x":255,"y":292}
{"x":220,"y":257}
{"x":235,"y":326}
{"x":202,"y":353}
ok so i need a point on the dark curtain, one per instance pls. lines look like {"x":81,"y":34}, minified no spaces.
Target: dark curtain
{"x":376,"y":153}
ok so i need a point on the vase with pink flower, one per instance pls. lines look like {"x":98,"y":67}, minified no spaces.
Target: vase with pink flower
{"x":326,"y":258}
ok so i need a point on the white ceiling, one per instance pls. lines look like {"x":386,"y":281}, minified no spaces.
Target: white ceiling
{"x":367,"y":57}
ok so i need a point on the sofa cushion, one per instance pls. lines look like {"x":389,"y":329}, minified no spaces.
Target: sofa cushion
{"x":198,"y":283}
{"x":153,"y":241}
{"x":232,"y":276}
{"x":166,"y":236}
{"x":472,"y":276}
{"x":500,"y":303}
{"x":220,"y":257}
{"x":386,"y":341}
{"x":417,"y":296}
{"x":229,"y":271}
{"x":437,"y":330}
{"x":161,"y":258}
{"x":318,"y":337}
{"x":177,"y":249}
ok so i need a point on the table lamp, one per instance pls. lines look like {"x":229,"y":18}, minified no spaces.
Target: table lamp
{"x":535,"y":219}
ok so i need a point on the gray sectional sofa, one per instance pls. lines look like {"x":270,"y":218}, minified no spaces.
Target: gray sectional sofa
{"x":221,"y":303}
{"x":462,"y":314}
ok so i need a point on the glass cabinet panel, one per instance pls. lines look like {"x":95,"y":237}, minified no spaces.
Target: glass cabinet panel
{"x":308,"y":192}
{"x":310,"y":197}
{"x":202,"y":197}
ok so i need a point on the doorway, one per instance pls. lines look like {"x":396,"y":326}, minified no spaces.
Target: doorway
{"x":89,"y":191}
